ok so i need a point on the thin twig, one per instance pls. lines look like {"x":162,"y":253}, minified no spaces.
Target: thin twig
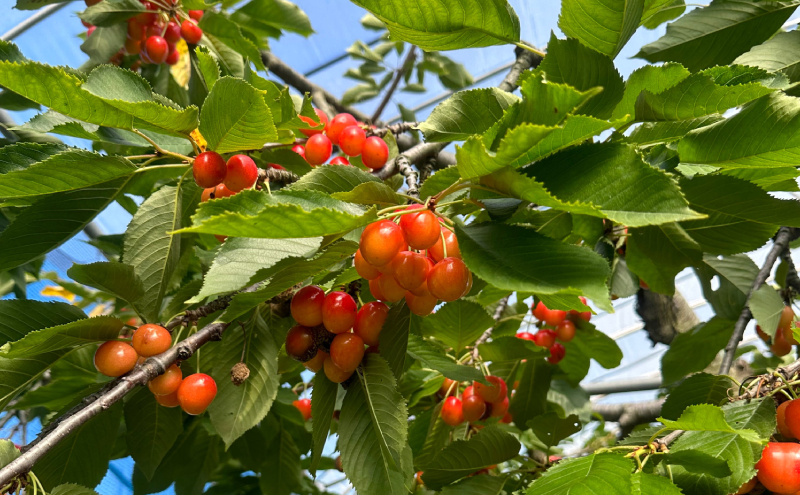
{"x":398,"y":128}
{"x":498,"y":314}
{"x":399,"y":73}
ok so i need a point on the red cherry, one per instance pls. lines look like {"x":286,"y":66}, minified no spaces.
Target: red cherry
{"x":525,"y":336}
{"x":410,"y":269}
{"x":339,"y":160}
{"x":469,"y":390}
{"x":380,"y":242}
{"x":448,"y":385}
{"x":174,"y":57}
{"x":786,"y":317}
{"x":275,"y":166}
{"x":499,"y":409}
{"x":780,"y":347}
{"x":545,"y":338}
{"x":779,"y":467}
{"x":299,"y":342}
{"x":783,"y":428}
{"x":157,"y":49}
{"x":220,"y":238}
{"x":351,"y":140}
{"x":167,"y":383}
{"x":555,"y":317}
{"x":390,"y":289}
{"x":173,"y":32}
{"x":335,"y":127}
{"x":375,"y":290}
{"x":304,"y":406}
{"x":315,"y":364}
{"x":339,"y":312}
{"x":147,"y":18}
{"x":221,"y":192}
{"x":306,"y":306}
{"x":318,"y":149}
{"x":437,"y":251}
{"x":150,"y":339}
{"x":421,"y":305}
{"x":90,"y":30}
{"x":507,"y":419}
{"x":364,"y":269}
{"x":196,"y":14}
{"x":323,"y":119}
{"x":133,"y":47}
{"x":557,"y":353}
{"x":583,"y":315}
{"x":347,"y":351}
{"x":375,"y":152}
{"x":136,"y":31}
{"x":792,"y":417}
{"x":762,"y":334}
{"x":539,"y":311}
{"x":191,"y":32}
{"x":209,"y":169}
{"x":421,"y":230}
{"x":565,"y":331}
{"x":196,"y":393}
{"x":473,"y":408}
{"x":170,"y":400}
{"x":369,"y":322}
{"x":242,"y":173}
{"x":496,"y":391}
{"x":448,"y":279}
{"x":334,"y":373}
{"x":114,"y":358}
{"x":452,"y":411}
{"x":299,"y":149}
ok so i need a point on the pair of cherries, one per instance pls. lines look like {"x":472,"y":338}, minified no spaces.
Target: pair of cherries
{"x":346,"y":132}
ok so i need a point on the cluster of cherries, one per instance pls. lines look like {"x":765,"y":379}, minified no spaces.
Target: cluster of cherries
{"x":783,"y":340}
{"x":153,"y":36}
{"x":346,"y":132}
{"x":478,"y":401}
{"x":417,"y":259}
{"x":115,"y":358}
{"x":331,"y":332}
{"x":555,"y":325}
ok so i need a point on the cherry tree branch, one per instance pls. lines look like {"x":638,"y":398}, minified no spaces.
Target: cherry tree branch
{"x":399,"y":73}
{"x":630,"y":414}
{"x":498,"y":313}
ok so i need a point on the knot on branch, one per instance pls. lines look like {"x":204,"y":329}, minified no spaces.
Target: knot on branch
{"x":239,"y":373}
{"x":277,"y":176}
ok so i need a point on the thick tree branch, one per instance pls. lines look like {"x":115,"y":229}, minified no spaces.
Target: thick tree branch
{"x":277,"y":176}
{"x":399,"y":73}
{"x":664,"y":316}
{"x":792,"y":279}
{"x":629,"y":415}
{"x":525,"y":60}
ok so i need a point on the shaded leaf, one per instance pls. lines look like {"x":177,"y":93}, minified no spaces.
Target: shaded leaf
{"x":597,"y":473}
{"x":700,"y":388}
{"x":431,"y":357}
{"x":109,"y":276}
{"x":694,"y":350}
{"x":76,"y":333}
{"x":323,"y":401}
{"x":151,"y":430}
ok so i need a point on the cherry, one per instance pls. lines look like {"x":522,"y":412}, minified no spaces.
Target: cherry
{"x":306,"y":306}
{"x":339,"y":312}
{"x":334,"y":373}
{"x":468,"y":391}
{"x":380,"y":242}
{"x":174,"y":57}
{"x":583,"y":315}
{"x":448,"y":279}
{"x":410,"y":269}
{"x":242,"y":173}
{"x":421,"y":230}
{"x":155,"y":29}
{"x":351,"y":140}
{"x":364,"y":269}
{"x":318,"y":149}
{"x":146,"y":18}
{"x":473,"y":408}
{"x":209,"y":169}
{"x":304,"y":406}
{"x":421,"y":305}
{"x":499,"y":409}
{"x":216,"y":193}
{"x":191,"y":32}
{"x":323,"y":119}
{"x":114,"y":358}
{"x":780,"y":347}
{"x":133,"y":47}
{"x":347,"y":351}
{"x":496,"y":391}
{"x":375,"y":152}
{"x":526,"y":336}
{"x":539,"y":311}
{"x":437,"y":251}
{"x":423,"y":290}
{"x":337,"y":125}
{"x":150,"y":339}
{"x":390,"y":289}
{"x":170,"y":400}
{"x":156,"y":49}
{"x":557,"y":353}
{"x":196,"y":393}
{"x":167,"y":383}
{"x":375,"y":290}
{"x":446,"y":387}
{"x":299,"y":149}
{"x":550,"y":316}
{"x":507,"y":419}
{"x":173,"y":32}
{"x":783,"y":428}
{"x":90,"y":30}
{"x":369,"y":322}
{"x":418,"y":478}
{"x":747,"y":487}
{"x":339,"y":160}
{"x":786,"y":317}
{"x":565,"y":331}
{"x":196,"y":14}
{"x":315,"y":364}
{"x":779,"y":467}
{"x":136,"y":31}
{"x":452,"y":411}
{"x":301,"y":343}
{"x":792,"y":417}
{"x":545,"y":338}
{"x":276,"y":166}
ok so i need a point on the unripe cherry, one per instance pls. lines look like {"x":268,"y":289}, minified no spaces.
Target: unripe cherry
{"x":306,"y":306}
{"x":374,"y":153}
{"x":473,"y":408}
{"x":390,"y":289}
{"x":347,"y":351}
{"x":323,"y":119}
{"x":380,"y":242}
{"x":150,"y":339}
{"x":170,"y":400}
{"x":557,"y":353}
{"x":364,"y":269}
{"x":565,"y":331}
{"x":369,"y":322}
{"x":421,"y":305}
{"x":115,"y":358}
{"x":167,"y":383}
{"x":334,"y":373}
{"x":196,"y":392}
{"x":410,"y":269}
{"x":242,"y":173}
{"x":157,"y":49}
{"x":300,"y":343}
{"x":421,"y":230}
{"x":496,"y":391}
{"x":304,"y":406}
{"x":191,"y":32}
{"x":339,"y":312}
{"x":337,"y":124}
{"x":437,"y":250}
{"x":351,"y":140}
{"x":448,"y":279}
{"x":209,"y":169}
{"x":452,"y":411}
{"x":318,"y":149}
{"x":545,"y":338}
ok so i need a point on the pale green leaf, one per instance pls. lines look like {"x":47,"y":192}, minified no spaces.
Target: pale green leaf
{"x":457,"y":324}
{"x":228,"y":32}
{"x":652,"y":133}
{"x":602,"y":26}
{"x":466,"y":113}
{"x":8,"y":452}
{"x":277,"y":14}
{"x":609,"y":474}
{"x":371,"y":193}
{"x":654,"y":79}
{"x":657,"y":12}
{"x":651,"y":484}
{"x":767,"y":306}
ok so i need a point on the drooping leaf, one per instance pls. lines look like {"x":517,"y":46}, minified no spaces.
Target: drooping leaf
{"x":779,"y":53}
{"x":767,"y":306}
{"x":111,"y":12}
{"x":457,"y":324}
{"x":700,"y":388}
{"x":333,"y":179}
{"x":281,"y":472}
{"x":277,"y":14}
{"x":323,"y":401}
{"x":394,"y":337}
{"x":151,"y":430}
{"x":64,"y":336}
{"x":694,"y":350}
{"x":604,"y":27}
{"x":658,"y":253}
{"x":433,"y":358}
{"x":109,"y":276}
{"x":735,"y":275}
{"x":599,"y":473}
{"x":466,"y":113}
{"x":18,"y":317}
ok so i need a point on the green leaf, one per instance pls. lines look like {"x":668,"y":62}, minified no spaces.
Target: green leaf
{"x":569,"y":62}
{"x":19,"y":317}
{"x":393,"y":338}
{"x":35,"y":4}
{"x":8,"y":452}
{"x":529,"y":400}
{"x":373,"y":429}
{"x":609,"y":474}
{"x":457,"y":324}
{"x":103,"y":44}
{"x":150,"y":247}
{"x":699,"y":462}
{"x":281,"y":472}
{"x":705,"y":417}
{"x":371,"y":193}
{"x":288,"y":159}
{"x":700,"y":388}
{"x":657,"y":12}
{"x":509,"y":349}
{"x":658,"y":253}
{"x":694,"y":350}
{"x":717,"y":34}
{"x":447,"y":25}
{"x":431,"y":357}
{"x":476,"y":485}
{"x":109,"y":276}
{"x":735,"y":275}
{"x":228,"y":32}
{"x":237,"y":409}
{"x":151,"y":430}
{"x":651,"y":484}
{"x":519,"y":259}
{"x":208,"y":67}
{"x":651,"y":78}
{"x":604,"y":27}
{"x":76,"y":333}
{"x":333,"y":179}
{"x":466,"y":113}
{"x":768,"y":179}
{"x":323,"y":401}
{"x":82,"y":457}
{"x":70,"y":489}
{"x":550,"y":428}
{"x":18,"y":374}
{"x":461,"y":458}
{"x":767,"y":306}
{"x":652,"y":133}
{"x":277,"y":14}
{"x":235,"y":117}
{"x":781,"y":53}
{"x":19,"y":156}
{"x":111,"y":12}
{"x":595,"y":344}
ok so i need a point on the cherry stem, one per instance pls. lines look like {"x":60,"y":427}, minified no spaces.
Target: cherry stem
{"x":444,"y":244}
{"x":141,"y":157}
{"x":530,"y":49}
{"x":161,"y":150}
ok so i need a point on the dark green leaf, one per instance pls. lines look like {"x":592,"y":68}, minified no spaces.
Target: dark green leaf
{"x":651,"y":484}
{"x":476,"y":485}
{"x":694,"y":350}
{"x":529,"y":400}
{"x":20,"y":317}
{"x":658,"y":253}
{"x":323,"y":401}
{"x":457,"y":324}
{"x":64,"y":336}
{"x":281,"y":472}
{"x":109,"y":276}
{"x":151,"y":430}
{"x":550,"y":428}
{"x":695,"y":461}
{"x":700,"y":388}
{"x":228,"y":32}
{"x":111,"y":12}
{"x":510,"y":349}
{"x":393,"y":338}
{"x":779,"y":53}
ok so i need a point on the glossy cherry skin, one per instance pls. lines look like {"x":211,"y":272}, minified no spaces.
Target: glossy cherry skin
{"x":315,"y":364}
{"x":339,"y":123}
{"x":174,"y":57}
{"x":157,"y":49}
{"x":167,"y":383}
{"x":242,"y":173}
{"x":545,"y":338}
{"x":780,"y":347}
{"x":114,"y":358}
{"x":448,"y":279}
{"x":526,"y":336}
{"x":216,"y":193}
{"x":306,"y":306}
{"x":779,"y":467}
{"x":423,"y":290}
{"x":339,"y":312}
{"x":364,"y":269}
{"x":410,"y":269}
{"x":323,"y":119}
{"x":318,"y":149}
{"x":209,"y":169}
{"x":550,"y":316}
{"x":304,"y":406}
{"x":448,"y":385}
{"x":468,"y":391}
{"x":565,"y":331}
{"x":557,"y":353}
{"x":390,"y":289}
{"x":347,"y":351}
{"x":452,"y":411}
{"x":334,"y":373}
{"x":300,"y":342}
{"x":421,"y":230}
{"x":351,"y":140}
{"x":191,"y":32}
{"x":375,"y":290}
{"x":150,"y":339}
{"x":421,"y":305}
{"x":495,"y":392}
{"x":196,"y":393}
{"x":500,"y":408}
{"x":783,"y":428}
{"x":437,"y":250}
{"x":473,"y":408}
{"x":380,"y":242}
{"x":173,"y":32}
{"x":339,"y":160}
{"x":369,"y":322}
{"x":196,"y":14}
{"x":786,"y":317}
{"x":792,"y":417}
{"x":170,"y":400}
{"x":299,"y":149}
{"x":374,"y":153}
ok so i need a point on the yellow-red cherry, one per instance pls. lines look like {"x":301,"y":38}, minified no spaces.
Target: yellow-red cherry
{"x":196,"y":14}
{"x":300,"y":343}
{"x":791,"y":417}
{"x":351,"y":140}
{"x":339,"y":312}
{"x":422,"y":289}
{"x":369,"y":322}
{"x":380,"y":242}
{"x":779,"y":467}
{"x":347,"y":351}
{"x":496,"y":391}
{"x":191,"y":32}
{"x":151,"y":339}
{"x":526,"y":336}
{"x":374,"y":153}
{"x":364,"y":269}
{"x":557,"y":353}
{"x":170,"y":400}
{"x":375,"y":290}
{"x":473,"y":408}
{"x":209,"y":169}
{"x":318,"y":149}
{"x":115,"y":358}
{"x":304,"y":406}
{"x":437,"y":250}
{"x":783,"y":428}
{"x":499,"y":409}
{"x":390,"y":289}
{"x":340,"y":160}
{"x":173,"y":32}
{"x":421,"y":305}
{"x":544,"y":338}
{"x":157,"y":49}
{"x":174,"y":56}
{"x":321,"y":117}
{"x":747,"y":487}
{"x":167,"y":383}
{"x":306,"y":306}
{"x":338,"y":124}
{"x":780,"y":347}
{"x":421,"y":230}
{"x":315,"y":364}
{"x":565,"y":331}
{"x":410,"y":269}
{"x":449,"y":387}
{"x":196,"y":392}
{"x":334,"y":373}
{"x":448,"y":279}
{"x":242,"y":173}
{"x":452,"y":411}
